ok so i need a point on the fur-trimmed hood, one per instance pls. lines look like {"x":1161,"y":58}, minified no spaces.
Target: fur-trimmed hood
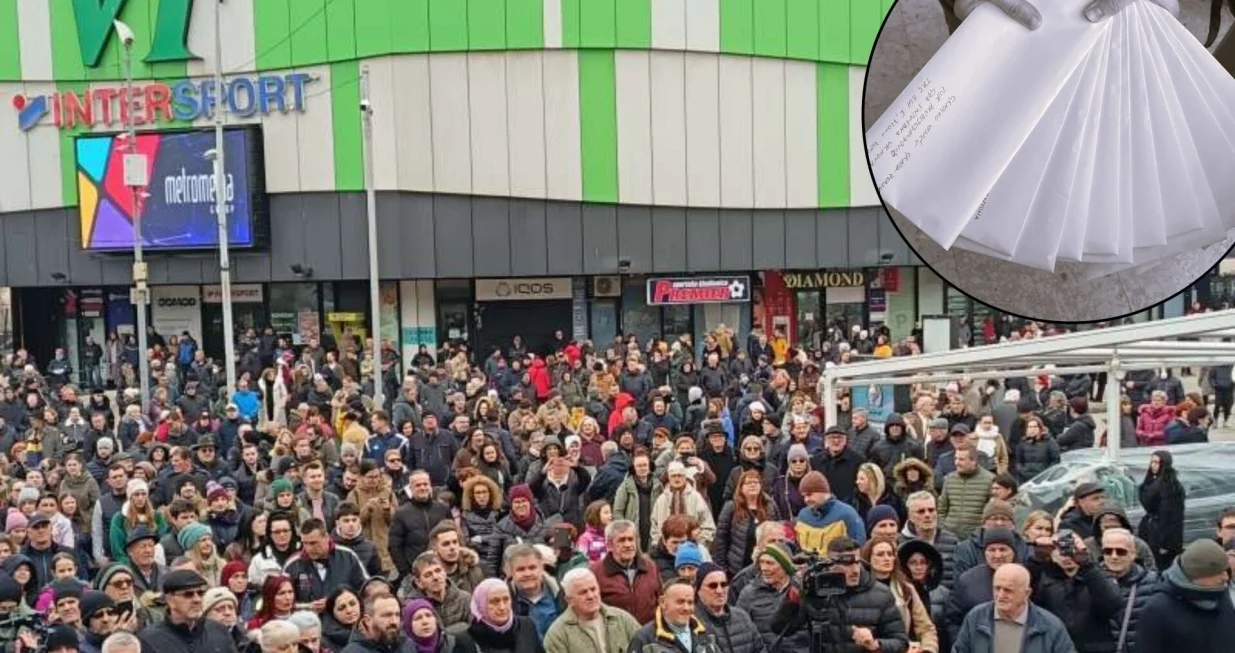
{"x":495,"y":492}
{"x":900,"y":483}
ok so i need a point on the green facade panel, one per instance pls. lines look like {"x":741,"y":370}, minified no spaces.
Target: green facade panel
{"x":737,"y":26}
{"x":412,"y":20}
{"x":345,"y":120}
{"x":307,"y":22}
{"x":832,"y":105}
{"x":597,"y":24}
{"x":447,"y":25}
{"x":271,"y":25}
{"x":10,"y":45}
{"x":634,"y":24}
{"x":598,"y":125}
{"x":374,"y":28}
{"x":770,"y":28}
{"x":341,"y":29}
{"x":866,"y":17}
{"x":486,"y":24}
{"x":525,"y":24}
{"x":834,"y":32}
{"x":802,"y":30}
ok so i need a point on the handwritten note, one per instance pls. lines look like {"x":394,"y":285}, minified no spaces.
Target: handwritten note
{"x":910,"y":126}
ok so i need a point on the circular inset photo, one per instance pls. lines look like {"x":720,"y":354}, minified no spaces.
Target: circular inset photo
{"x":1064,"y":161}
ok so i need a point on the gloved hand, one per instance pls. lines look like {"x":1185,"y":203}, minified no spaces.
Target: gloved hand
{"x":1026,"y":14}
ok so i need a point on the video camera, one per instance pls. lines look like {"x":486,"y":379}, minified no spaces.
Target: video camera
{"x":821,"y":579}
{"x":16,"y":623}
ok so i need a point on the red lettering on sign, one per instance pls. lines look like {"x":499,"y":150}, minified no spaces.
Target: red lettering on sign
{"x":665,"y":292}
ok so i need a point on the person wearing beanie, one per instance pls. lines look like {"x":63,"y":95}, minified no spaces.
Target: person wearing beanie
{"x":686,"y":562}
{"x":734,"y":629}
{"x":896,"y":446}
{"x":183,"y":630}
{"x":825,"y":518}
{"x":219,"y":605}
{"x":882,"y":521}
{"x":763,"y":597}
{"x":681,"y":498}
{"x":997,"y":514}
{"x":15,"y":526}
{"x":786,"y":490}
{"x":98,"y":618}
{"x":974,"y":587}
{"x":1192,"y":611}
{"x":61,"y":639}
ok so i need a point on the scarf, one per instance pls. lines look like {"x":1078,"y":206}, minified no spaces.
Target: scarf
{"x":677,"y":502}
{"x":480,"y":602}
{"x":526,"y":522}
{"x":423,"y":645}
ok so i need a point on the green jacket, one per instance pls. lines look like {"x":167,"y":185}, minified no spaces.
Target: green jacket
{"x":119,"y":533}
{"x":626,"y":499}
{"x":962,"y":501}
{"x":567,"y":635}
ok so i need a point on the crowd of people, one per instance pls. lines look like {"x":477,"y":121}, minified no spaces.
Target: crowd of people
{"x":624,"y":498}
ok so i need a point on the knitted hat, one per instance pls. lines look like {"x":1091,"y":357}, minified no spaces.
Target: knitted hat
{"x":1005,"y":537}
{"x":14,"y":521}
{"x":1203,"y":559}
{"x":279,"y":486}
{"x":880,"y":513}
{"x":92,"y":601}
{"x":105,"y":443}
{"x":998,"y":508}
{"x":106,"y":574}
{"x":797,"y":452}
{"x":70,"y":588}
{"x":136,"y":485}
{"x":676,"y":467}
{"x":215,"y":491}
{"x":522,"y":491}
{"x":9,"y":589}
{"x":215,"y":596}
{"x":705,"y":570}
{"x":689,"y":553}
{"x":231,"y":569}
{"x":814,"y":482}
{"x":757,"y":406}
{"x":572,"y":439}
{"x":27,"y":494}
{"x":189,"y":535}
{"x":938,"y":423}
{"x":781,"y":556}
{"x":61,"y":637}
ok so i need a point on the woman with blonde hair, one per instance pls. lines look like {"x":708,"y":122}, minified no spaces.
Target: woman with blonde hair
{"x":1038,"y":524}
{"x":873,"y":490}
{"x":881,"y":554}
{"x":198,"y":544}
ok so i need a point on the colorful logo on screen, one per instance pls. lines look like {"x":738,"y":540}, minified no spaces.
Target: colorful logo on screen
{"x":186,"y":100}
{"x":177,"y":208}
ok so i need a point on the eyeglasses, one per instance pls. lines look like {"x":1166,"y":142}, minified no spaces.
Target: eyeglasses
{"x":1115,"y":551}
{"x":797,"y":461}
{"x":190,"y":594}
{"x":718,"y":585}
{"x":104,"y":612}
{"x":752,"y":448}
{"x":121,"y":583}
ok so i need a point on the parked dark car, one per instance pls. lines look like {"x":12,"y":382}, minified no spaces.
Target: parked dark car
{"x":1207,"y":472}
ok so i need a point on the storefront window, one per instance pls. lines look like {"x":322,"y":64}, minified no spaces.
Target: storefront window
{"x":677,"y":321}
{"x":811,"y":317}
{"x":294,"y":311}
{"x":6,"y":319}
{"x":639,"y":319}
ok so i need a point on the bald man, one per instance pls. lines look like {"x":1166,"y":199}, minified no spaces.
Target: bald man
{"x":1011,"y":623}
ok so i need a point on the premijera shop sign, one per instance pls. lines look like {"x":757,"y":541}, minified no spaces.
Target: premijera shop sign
{"x":96,"y":24}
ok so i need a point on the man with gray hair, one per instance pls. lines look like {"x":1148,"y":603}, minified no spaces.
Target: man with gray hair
{"x":1011,"y":623}
{"x":769,"y":532}
{"x":628,"y":579}
{"x":533,"y":591}
{"x":1136,"y":584}
{"x":588,"y":624}
{"x":121,"y":643}
{"x":923,"y":524}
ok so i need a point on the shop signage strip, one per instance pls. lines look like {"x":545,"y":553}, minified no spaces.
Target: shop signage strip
{"x":500,"y":290}
{"x":823,"y":279}
{"x":698,"y":290}
{"x":242,"y":293}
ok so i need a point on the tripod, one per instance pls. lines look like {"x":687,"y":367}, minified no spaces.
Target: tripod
{"x":826,"y":623}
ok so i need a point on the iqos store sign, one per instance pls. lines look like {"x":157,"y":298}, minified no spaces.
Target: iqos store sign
{"x":498,"y":290}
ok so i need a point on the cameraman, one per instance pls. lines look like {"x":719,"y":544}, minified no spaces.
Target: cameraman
{"x":871,"y":620}
{"x":11,"y":610}
{"x":1069,"y":583}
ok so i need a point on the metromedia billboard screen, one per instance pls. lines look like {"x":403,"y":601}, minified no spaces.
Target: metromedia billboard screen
{"x":179,"y":204}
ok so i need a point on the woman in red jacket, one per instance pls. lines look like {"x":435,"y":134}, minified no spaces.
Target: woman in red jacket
{"x":1152,"y":420}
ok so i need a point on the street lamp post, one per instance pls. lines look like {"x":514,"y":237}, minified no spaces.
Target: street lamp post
{"x":136,"y":177}
{"x":220,"y":210}
{"x":366,"y":110}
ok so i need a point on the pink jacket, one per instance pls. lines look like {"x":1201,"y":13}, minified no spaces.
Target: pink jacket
{"x":592,"y":543}
{"x":1151,"y":422}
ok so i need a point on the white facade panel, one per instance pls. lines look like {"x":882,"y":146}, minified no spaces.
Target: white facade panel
{"x":768,"y":91}
{"x":414,"y":136}
{"x":452,"y":148}
{"x":669,"y":128}
{"x":486,"y":74}
{"x":563,"y":168}
{"x":861,"y":188}
{"x":525,"y":119}
{"x":34,"y":35}
{"x":702,"y":130}
{"x":703,"y":25}
{"x":737,"y":174}
{"x":632,"y":76}
{"x":669,"y":24}
{"x":316,"y":154}
{"x":802,"y":140}
{"x":386,"y":122}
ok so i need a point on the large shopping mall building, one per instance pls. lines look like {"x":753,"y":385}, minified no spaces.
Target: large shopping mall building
{"x":593,"y":166}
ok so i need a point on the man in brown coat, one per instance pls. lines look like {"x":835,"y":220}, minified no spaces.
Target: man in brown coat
{"x":628,"y":579}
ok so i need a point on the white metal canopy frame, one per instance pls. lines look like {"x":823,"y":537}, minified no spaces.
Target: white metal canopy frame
{"x":1114,"y":350}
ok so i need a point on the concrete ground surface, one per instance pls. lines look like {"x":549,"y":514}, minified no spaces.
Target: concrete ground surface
{"x":912,"y":33}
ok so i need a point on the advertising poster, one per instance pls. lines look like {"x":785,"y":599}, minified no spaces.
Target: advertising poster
{"x":179,"y":209}
{"x":876,"y":399}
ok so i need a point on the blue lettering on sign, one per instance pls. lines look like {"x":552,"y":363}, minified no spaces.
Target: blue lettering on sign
{"x":241,"y":96}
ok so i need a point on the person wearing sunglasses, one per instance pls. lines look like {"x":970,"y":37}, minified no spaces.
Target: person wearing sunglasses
{"x":116,"y":581}
{"x":1069,"y":582}
{"x":735,"y":630}
{"x":1136,"y":583}
{"x":183,"y":630}
{"x":98,"y":617}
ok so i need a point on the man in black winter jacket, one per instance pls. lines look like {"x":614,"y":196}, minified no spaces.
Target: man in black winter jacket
{"x":321,"y":566}
{"x":409,"y":532}
{"x":432,"y":450}
{"x":185,"y":630}
{"x":1136,"y":584}
{"x":348,"y":532}
{"x":896,"y":446}
{"x":1078,"y":591}
{"x":838,"y":463}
